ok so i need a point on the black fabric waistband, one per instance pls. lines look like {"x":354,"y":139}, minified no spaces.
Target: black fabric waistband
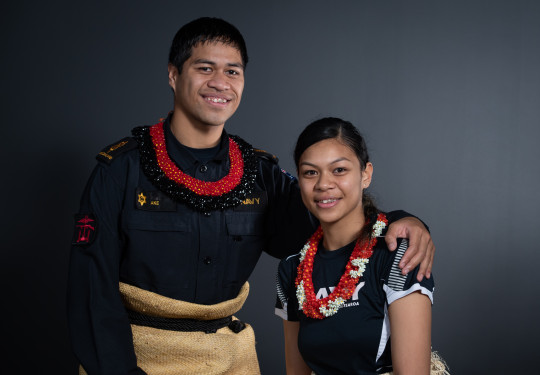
{"x":185,"y":325}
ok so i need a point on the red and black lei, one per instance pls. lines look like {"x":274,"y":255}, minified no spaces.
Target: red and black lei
{"x":182,"y":194}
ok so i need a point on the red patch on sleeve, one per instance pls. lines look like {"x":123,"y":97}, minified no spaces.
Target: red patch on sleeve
{"x":85,"y":229}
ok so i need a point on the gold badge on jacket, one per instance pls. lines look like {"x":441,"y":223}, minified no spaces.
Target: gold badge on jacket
{"x":153,"y":200}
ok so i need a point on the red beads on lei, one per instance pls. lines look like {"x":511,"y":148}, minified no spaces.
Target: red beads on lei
{"x":209,"y":188}
{"x":329,"y":305}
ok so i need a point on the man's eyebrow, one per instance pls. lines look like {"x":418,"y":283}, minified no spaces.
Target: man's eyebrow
{"x":236,"y":65}
{"x":203,"y":61}
{"x":210,"y":62}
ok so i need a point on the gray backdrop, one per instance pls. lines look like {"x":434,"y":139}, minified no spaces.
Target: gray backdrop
{"x":446,"y":92}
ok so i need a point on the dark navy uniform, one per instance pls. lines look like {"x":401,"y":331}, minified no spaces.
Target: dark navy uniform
{"x":127,"y":230}
{"x":356,"y":340}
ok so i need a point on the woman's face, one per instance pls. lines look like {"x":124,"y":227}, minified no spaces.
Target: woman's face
{"x":331,"y":181}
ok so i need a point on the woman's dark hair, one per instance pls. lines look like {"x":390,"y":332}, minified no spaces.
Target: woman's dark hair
{"x":201,"y":30}
{"x":346,"y":133}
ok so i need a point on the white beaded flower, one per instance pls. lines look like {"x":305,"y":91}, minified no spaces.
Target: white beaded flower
{"x":333,"y":307}
{"x":300,"y":294}
{"x":303,"y":252}
{"x":361,"y":264}
{"x":378,"y":228}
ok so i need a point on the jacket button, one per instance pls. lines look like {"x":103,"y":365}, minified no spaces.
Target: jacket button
{"x":203,"y":168}
{"x":207,"y":260}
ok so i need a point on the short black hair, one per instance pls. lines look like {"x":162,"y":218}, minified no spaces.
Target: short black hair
{"x":202,"y":30}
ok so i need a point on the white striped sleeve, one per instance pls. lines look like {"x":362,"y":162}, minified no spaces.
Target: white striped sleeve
{"x":281,"y":303}
{"x":398,"y":285}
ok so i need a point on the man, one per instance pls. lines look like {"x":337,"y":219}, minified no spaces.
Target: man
{"x":173,"y":221}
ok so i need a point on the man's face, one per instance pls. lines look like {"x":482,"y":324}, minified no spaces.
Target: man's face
{"x":209,"y":89}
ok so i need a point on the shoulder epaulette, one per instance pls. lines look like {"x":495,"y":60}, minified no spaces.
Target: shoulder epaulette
{"x":109,"y":153}
{"x":266,"y":155}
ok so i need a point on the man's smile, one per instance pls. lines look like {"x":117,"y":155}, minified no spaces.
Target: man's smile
{"x":214,"y":99}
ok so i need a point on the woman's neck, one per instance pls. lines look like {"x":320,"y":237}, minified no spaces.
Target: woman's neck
{"x":338,"y":234}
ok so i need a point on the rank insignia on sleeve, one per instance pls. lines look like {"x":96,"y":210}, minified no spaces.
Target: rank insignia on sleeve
{"x":266,"y":155}
{"x":112,"y":151}
{"x":85,"y":229}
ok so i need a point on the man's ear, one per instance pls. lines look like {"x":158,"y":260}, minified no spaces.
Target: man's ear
{"x":366,"y":175}
{"x":173,"y":76}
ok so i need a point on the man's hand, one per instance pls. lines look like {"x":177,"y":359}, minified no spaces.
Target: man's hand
{"x":421,"y":248}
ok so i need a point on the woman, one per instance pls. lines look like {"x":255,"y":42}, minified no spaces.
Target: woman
{"x":343,"y":294}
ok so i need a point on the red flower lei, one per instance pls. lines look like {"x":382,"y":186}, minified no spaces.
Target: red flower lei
{"x":329,"y":305}
{"x":215,"y":188}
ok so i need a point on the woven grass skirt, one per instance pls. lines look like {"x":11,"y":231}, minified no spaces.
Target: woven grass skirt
{"x":438,"y":366}
{"x":165,"y":352}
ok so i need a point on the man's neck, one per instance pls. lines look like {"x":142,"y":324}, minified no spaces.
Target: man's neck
{"x":195,"y":135}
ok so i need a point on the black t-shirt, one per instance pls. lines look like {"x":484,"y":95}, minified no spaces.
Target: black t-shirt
{"x":356,"y":340}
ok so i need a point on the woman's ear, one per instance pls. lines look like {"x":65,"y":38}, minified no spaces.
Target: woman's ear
{"x":366,"y":175}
